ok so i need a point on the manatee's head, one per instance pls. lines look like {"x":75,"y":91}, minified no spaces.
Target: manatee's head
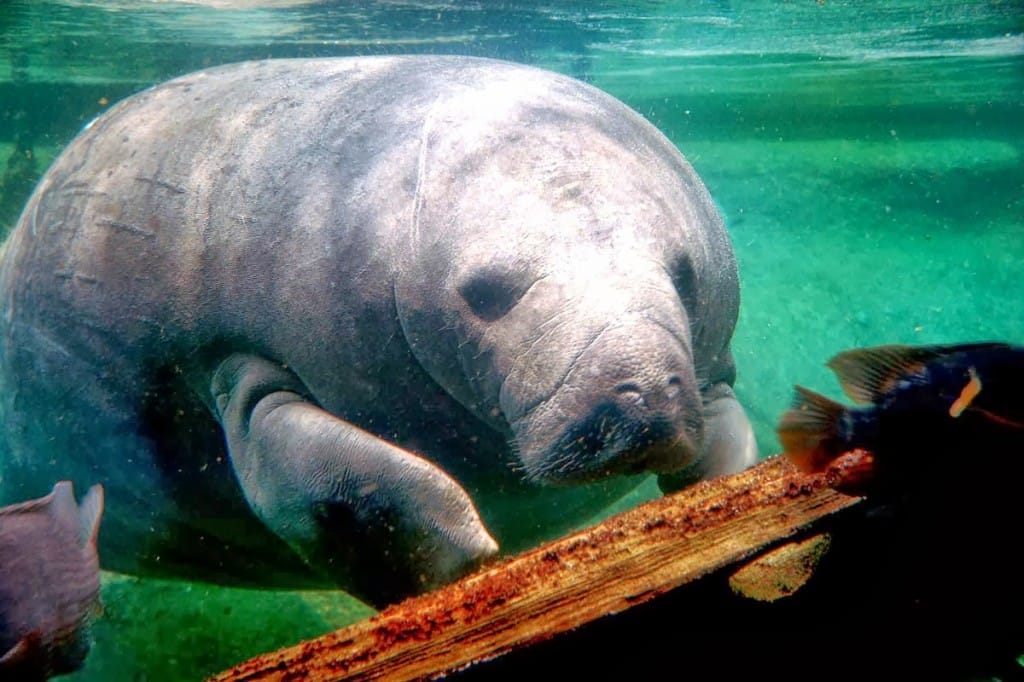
{"x":570,"y":282}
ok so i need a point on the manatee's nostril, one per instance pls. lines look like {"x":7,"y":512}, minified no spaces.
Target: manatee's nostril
{"x":673,"y":387}
{"x":630,"y":394}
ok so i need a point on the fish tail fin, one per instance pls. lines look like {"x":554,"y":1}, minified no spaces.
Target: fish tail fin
{"x":809,"y":430}
{"x":89,"y":512}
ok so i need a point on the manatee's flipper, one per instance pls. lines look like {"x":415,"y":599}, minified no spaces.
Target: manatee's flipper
{"x":380,"y":521}
{"x":729,"y":444}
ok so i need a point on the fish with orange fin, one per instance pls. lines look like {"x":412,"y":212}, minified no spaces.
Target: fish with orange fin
{"x":49,"y":582}
{"x":917,"y":402}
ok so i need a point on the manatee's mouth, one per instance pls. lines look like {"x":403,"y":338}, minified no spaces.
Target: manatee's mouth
{"x":609,"y":443}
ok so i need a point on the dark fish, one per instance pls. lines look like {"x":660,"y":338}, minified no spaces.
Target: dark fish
{"x":920,"y":402}
{"x":49,"y":582}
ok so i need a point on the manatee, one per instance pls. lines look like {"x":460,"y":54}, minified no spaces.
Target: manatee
{"x":361,"y":322}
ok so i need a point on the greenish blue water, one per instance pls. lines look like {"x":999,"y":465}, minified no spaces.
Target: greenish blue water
{"x":868,"y":158}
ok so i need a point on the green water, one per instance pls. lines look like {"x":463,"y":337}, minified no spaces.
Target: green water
{"x":868,"y":158}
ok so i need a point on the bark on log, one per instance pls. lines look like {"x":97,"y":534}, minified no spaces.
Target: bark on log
{"x":620,"y":563}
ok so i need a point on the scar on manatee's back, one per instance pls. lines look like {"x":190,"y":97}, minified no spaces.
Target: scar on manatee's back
{"x":127,"y":227}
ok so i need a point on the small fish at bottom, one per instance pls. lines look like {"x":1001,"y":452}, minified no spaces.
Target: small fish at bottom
{"x":920,"y":401}
{"x":49,"y":582}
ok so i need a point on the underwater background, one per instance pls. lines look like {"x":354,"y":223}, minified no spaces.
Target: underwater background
{"x":867,"y":156}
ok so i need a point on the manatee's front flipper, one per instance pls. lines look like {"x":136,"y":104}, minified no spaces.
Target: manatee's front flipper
{"x":729,"y":444}
{"x":374,"y":518}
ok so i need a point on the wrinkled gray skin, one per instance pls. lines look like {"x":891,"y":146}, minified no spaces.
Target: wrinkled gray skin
{"x":357,"y":321}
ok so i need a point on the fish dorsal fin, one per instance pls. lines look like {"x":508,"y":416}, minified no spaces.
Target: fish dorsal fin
{"x":866,"y":374}
{"x":89,"y":513}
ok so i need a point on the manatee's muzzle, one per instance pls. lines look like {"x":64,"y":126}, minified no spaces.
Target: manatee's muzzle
{"x":622,"y":435}
{"x":626,"y":401}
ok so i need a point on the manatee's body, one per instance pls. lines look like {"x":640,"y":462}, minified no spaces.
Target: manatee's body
{"x":241,"y":299}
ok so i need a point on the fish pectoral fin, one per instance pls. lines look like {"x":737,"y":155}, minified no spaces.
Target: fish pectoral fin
{"x":967,"y":395}
{"x":809,"y":430}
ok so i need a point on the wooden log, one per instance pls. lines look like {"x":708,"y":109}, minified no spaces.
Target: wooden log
{"x":626,"y":560}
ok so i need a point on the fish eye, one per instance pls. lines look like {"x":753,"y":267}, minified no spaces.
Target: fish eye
{"x":491,"y":294}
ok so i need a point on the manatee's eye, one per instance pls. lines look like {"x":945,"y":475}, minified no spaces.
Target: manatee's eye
{"x":490,"y":294}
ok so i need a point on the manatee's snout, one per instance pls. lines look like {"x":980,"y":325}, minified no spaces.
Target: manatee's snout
{"x":630,"y":405}
{"x":635,"y":431}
